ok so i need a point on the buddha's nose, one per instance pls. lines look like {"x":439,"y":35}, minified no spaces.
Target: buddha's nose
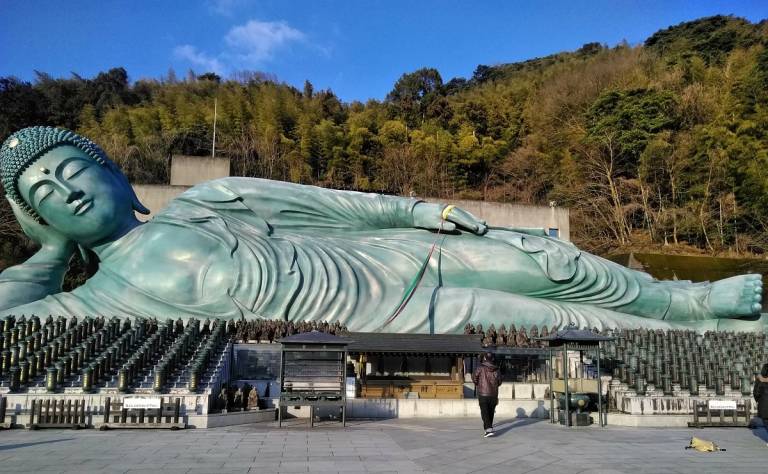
{"x":74,"y":195}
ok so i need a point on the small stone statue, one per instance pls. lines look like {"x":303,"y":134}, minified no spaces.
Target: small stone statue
{"x":534,"y":336}
{"x":512,"y":336}
{"x":501,"y":338}
{"x":522,"y":338}
{"x":238,"y":401}
{"x":222,"y":401}
{"x":253,"y":399}
{"x":492,"y":334}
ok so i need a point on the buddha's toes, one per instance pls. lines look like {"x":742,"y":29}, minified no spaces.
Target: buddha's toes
{"x":736,"y":296}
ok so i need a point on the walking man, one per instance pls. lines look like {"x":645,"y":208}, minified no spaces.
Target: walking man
{"x":760,"y":392}
{"x":487,"y":379}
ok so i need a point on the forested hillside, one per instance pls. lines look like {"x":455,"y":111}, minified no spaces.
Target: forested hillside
{"x":660,"y":144}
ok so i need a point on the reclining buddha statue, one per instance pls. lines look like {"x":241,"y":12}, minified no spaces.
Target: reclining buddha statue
{"x":246,"y":247}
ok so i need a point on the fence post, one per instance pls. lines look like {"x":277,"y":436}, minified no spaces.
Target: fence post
{"x":107,"y":406}
{"x":3,"y":402}
{"x":696,"y":412}
{"x":176,"y":410}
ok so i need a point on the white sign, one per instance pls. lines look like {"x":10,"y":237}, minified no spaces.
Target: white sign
{"x":137,"y":403}
{"x":722,"y":405}
{"x":351,"y":388}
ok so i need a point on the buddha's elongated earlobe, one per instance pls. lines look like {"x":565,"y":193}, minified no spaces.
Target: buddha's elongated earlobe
{"x":135,"y":203}
{"x":139,"y":207}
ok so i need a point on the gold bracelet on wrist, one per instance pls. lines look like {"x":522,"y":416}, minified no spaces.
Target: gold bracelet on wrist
{"x":447,"y":211}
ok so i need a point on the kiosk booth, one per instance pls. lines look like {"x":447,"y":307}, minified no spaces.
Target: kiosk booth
{"x":575,"y":394}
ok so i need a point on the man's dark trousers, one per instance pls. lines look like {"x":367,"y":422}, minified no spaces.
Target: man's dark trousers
{"x":487,"y":409}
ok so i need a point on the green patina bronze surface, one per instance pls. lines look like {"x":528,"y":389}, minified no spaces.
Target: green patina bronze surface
{"x":252,"y":247}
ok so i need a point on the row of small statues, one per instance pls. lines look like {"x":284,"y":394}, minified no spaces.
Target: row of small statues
{"x":272,"y":330}
{"x":240,"y":398}
{"x":511,"y":337}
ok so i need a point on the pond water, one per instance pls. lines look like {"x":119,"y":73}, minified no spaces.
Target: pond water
{"x":694,"y":268}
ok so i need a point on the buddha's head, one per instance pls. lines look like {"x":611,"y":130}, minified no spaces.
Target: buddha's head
{"x":66,"y":181}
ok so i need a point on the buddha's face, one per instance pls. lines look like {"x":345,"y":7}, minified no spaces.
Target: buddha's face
{"x":76,"y":195}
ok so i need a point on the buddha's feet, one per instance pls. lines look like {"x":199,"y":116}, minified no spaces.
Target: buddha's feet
{"x":735,"y":297}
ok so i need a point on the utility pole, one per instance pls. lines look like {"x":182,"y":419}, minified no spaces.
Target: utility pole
{"x":213,"y":146}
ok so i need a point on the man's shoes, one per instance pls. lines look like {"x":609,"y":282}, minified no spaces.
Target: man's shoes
{"x":488,"y":434}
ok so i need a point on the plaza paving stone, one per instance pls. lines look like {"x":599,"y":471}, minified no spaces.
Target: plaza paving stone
{"x":402,"y":446}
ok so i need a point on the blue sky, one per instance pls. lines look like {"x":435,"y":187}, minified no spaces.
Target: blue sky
{"x":356,"y":48}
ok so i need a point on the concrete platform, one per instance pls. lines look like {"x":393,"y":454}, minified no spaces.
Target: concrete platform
{"x":218,"y":420}
{"x":424,"y":408}
{"x":442,"y":446}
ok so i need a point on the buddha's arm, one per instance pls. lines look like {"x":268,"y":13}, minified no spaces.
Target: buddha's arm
{"x":41,"y":275}
{"x":291,"y":206}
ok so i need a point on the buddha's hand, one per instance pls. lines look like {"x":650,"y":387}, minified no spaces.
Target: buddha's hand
{"x":52,"y":242}
{"x":446,"y":218}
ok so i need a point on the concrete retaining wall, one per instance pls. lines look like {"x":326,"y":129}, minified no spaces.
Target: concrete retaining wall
{"x":191,"y":170}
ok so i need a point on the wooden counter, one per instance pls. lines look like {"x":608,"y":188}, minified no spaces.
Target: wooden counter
{"x":424,"y":387}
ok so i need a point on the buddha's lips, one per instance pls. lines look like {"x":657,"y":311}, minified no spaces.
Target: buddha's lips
{"x":83,"y":207}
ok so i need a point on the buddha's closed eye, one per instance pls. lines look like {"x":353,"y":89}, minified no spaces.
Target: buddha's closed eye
{"x":40,"y":192}
{"x":72,"y":167}
{"x":75,"y":168}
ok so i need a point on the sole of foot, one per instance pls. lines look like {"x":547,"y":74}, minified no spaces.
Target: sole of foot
{"x":737,"y":296}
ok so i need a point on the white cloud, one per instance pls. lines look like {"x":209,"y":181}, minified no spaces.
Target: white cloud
{"x":226,"y":7}
{"x":257,"y":40}
{"x":245,"y":46}
{"x":199,"y":58}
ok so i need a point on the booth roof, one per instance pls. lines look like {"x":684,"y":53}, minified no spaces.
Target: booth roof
{"x":315,"y":337}
{"x":455,"y":344}
{"x":584,"y":336}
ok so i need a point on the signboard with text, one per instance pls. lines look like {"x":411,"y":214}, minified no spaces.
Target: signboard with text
{"x":138,"y":403}
{"x":722,"y":405}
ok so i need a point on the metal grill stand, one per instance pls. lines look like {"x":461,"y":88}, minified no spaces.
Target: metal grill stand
{"x":564,"y":341}
{"x":313,"y":373}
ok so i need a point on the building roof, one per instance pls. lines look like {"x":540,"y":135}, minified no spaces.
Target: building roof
{"x":570,"y":334}
{"x":315,"y":337}
{"x":517,"y":351}
{"x":453,"y":344}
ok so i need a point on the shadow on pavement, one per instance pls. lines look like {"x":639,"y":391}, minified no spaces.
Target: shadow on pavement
{"x":24,"y":445}
{"x":507,"y":425}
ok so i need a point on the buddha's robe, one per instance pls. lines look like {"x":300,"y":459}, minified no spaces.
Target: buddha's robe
{"x":296,"y":252}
